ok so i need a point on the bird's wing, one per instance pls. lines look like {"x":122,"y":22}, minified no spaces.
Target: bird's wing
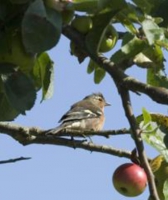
{"x":80,"y":112}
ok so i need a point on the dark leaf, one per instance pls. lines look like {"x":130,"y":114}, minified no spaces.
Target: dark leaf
{"x":12,"y":51}
{"x":19,"y":91}
{"x":7,"y":112}
{"x":19,"y":1}
{"x":41,"y":27}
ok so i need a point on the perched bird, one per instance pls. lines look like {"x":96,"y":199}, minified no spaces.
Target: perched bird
{"x":87,"y":114}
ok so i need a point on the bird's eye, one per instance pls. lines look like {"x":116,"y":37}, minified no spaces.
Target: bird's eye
{"x":100,"y":99}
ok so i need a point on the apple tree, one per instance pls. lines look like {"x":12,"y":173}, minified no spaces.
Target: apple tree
{"x":29,"y":28}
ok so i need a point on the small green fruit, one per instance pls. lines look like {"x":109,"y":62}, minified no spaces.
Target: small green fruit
{"x":109,"y":39}
{"x":82,"y":24}
{"x":106,"y":44}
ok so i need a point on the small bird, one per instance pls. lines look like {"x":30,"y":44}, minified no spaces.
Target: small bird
{"x":87,"y":114}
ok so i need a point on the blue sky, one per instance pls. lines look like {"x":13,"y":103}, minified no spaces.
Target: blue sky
{"x":61,"y":173}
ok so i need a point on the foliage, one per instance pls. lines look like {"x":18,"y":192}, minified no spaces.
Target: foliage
{"x":154,"y":128}
{"x":29,"y":28}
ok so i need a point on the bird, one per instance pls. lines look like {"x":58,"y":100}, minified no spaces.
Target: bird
{"x":84,"y":115}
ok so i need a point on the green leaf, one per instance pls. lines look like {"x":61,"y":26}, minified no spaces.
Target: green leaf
{"x":43,"y":74}
{"x":99,"y":74}
{"x":154,"y":129}
{"x":85,"y":5}
{"x":112,"y":4}
{"x":41,"y":27}
{"x":151,"y":57}
{"x":145,"y":5}
{"x":146,"y":116}
{"x":95,"y":35}
{"x":91,"y":66}
{"x":19,"y":91}
{"x":7,"y":112}
{"x":160,"y":166}
{"x":152,"y":31}
{"x":131,"y":47}
{"x":128,"y":17}
{"x":156,"y":163}
{"x":165,"y":189}
{"x":163,"y":43}
{"x":156,"y":78}
{"x":155,"y":138}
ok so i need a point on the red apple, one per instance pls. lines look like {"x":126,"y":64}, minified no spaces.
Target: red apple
{"x":129,"y":179}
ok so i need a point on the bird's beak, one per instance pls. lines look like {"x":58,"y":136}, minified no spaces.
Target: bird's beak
{"x":107,"y":104}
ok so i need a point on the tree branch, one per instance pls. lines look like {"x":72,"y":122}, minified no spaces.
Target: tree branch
{"x":14,"y":160}
{"x":81,"y":144}
{"x":157,"y":94}
{"x":103,"y":133}
{"x":33,"y":135}
{"x":138,"y":141}
{"x":19,"y":132}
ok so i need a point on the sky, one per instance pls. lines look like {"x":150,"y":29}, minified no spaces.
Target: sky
{"x":61,"y":173}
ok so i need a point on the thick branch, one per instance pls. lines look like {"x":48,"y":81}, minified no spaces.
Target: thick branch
{"x":160,"y":95}
{"x":27,"y":136}
{"x":17,"y":131}
{"x":138,"y":141}
{"x":104,"y":133}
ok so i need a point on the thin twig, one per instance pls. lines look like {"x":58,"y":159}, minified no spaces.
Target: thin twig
{"x":14,"y":160}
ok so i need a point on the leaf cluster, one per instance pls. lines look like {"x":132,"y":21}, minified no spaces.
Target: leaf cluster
{"x":31,"y":27}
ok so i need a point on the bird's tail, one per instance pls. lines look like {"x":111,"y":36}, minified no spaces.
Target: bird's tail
{"x":54,"y":131}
